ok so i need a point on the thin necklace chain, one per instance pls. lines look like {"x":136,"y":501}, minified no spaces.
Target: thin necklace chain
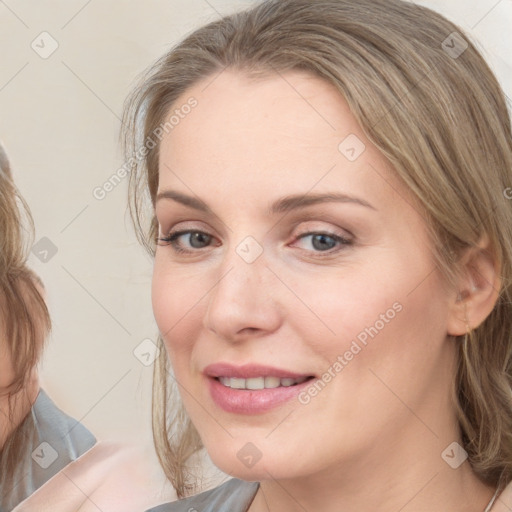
{"x":493,"y":499}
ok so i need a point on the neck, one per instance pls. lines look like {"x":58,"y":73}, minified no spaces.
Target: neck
{"x":410,"y":477}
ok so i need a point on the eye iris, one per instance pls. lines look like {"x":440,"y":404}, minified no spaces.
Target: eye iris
{"x":322,"y":239}
{"x":200,"y":238}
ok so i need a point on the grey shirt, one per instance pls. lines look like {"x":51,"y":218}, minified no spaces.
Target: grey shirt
{"x":233,"y":496}
{"x":53,"y":440}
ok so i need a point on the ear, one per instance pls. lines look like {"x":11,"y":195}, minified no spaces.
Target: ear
{"x":478,"y":289}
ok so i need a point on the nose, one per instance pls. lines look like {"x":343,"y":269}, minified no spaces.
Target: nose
{"x":243,"y":302}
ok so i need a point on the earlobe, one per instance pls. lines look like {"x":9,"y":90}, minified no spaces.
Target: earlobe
{"x":478,"y":289}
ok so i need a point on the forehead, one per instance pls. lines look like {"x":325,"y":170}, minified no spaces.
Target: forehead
{"x":289,"y":131}
{"x":293,"y":109}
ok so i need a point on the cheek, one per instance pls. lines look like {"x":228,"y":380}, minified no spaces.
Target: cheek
{"x":178,"y":300}
{"x":386,"y":314}
{"x":338,"y":306}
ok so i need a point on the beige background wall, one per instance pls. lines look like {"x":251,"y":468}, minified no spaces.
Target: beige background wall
{"x":59,"y":120}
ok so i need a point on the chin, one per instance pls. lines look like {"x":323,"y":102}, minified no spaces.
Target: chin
{"x":244,"y":460}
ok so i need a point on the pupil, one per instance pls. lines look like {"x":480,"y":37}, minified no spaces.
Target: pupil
{"x":198,"y":237}
{"x":322,"y":239}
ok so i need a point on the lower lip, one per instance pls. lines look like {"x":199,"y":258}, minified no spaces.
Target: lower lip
{"x":253,"y":401}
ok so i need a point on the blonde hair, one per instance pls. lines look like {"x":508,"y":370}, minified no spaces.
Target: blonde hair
{"x":24,"y":318}
{"x":440,"y":118}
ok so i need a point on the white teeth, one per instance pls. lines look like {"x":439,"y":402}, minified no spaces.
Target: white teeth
{"x":255,"y":383}
{"x":236,"y":383}
{"x":225,"y":381}
{"x":272,"y":382}
{"x":259,"y":382}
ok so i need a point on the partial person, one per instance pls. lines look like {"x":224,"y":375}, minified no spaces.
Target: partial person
{"x":49,"y":462}
{"x":37,"y":439}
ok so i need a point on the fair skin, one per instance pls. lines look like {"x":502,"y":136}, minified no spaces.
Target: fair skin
{"x":372,"y":438}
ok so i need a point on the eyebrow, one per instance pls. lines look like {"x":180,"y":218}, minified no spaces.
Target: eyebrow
{"x":282,"y":205}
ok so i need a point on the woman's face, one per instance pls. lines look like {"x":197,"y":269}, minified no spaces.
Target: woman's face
{"x":307,"y":270}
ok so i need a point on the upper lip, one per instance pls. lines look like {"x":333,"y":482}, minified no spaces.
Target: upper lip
{"x":248,"y":371}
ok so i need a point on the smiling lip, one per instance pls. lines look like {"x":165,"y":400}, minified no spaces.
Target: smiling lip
{"x":248,"y":371}
{"x":251,"y":401}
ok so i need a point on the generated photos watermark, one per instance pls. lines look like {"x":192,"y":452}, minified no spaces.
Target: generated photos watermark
{"x":100,"y":192}
{"x":356,"y":346}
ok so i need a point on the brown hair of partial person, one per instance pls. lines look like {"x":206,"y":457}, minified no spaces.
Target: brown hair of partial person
{"x":24,"y":317}
{"x":439,"y":117}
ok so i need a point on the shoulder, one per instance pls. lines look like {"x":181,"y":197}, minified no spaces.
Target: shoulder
{"x":111,"y":476}
{"x":68,"y":436}
{"x":233,"y":496}
{"x":51,"y":440}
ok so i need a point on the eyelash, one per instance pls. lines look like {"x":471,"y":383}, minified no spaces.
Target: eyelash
{"x":171,"y":239}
